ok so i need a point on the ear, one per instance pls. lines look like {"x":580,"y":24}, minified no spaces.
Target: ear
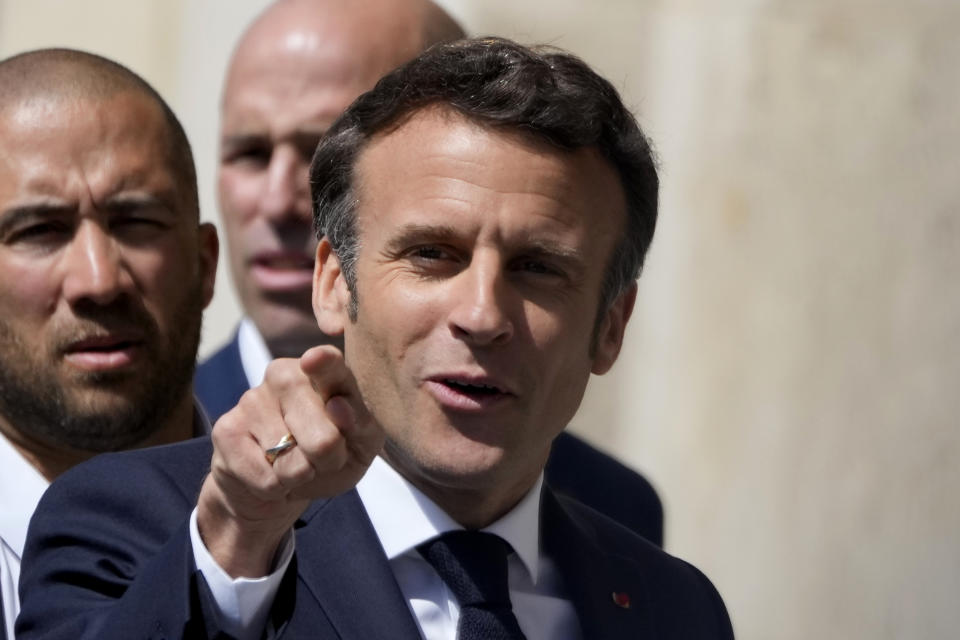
{"x":209,"y":254}
{"x":609,"y":337}
{"x":331,"y":297}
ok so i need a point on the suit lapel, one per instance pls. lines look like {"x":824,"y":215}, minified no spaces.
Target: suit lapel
{"x":220,"y":380}
{"x":341,"y":562}
{"x":595,"y":579}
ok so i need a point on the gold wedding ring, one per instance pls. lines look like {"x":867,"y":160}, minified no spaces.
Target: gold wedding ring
{"x":286,"y":442}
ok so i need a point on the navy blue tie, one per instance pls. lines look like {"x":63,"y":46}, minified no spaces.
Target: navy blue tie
{"x":474,"y":565}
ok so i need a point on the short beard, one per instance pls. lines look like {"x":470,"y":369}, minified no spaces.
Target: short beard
{"x":38,"y":403}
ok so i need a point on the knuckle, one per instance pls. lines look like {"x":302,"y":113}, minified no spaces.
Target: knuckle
{"x":280,"y":372}
{"x":296,"y":473}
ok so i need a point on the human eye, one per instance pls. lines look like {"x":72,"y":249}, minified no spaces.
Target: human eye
{"x":135,"y":221}
{"x":432,"y":260}
{"x":37,"y":233}
{"x":250,"y":152}
{"x":139,"y":219}
{"x":429,"y":253}
{"x":538,"y":267}
{"x":33,"y":229}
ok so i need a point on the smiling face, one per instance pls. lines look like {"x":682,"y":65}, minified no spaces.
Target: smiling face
{"x":293,"y":74}
{"x":105,"y":272}
{"x":478,"y":281}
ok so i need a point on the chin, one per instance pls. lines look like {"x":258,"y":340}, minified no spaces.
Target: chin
{"x":469,"y":465}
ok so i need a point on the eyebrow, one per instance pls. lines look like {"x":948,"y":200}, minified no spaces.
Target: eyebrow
{"x":414,"y":233}
{"x":246,"y":139}
{"x":125,"y":201}
{"x":242,"y":139}
{"x":118,"y":203}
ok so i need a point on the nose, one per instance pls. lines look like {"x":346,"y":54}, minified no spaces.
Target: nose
{"x":285,"y":193}
{"x":482,"y":307}
{"x":93,"y":266}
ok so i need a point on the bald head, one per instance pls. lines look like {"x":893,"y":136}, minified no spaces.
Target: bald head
{"x":61,"y":76}
{"x":65,"y":73}
{"x":362,"y":40}
{"x":294,"y":71}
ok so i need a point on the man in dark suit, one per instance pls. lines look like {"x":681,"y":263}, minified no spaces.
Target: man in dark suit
{"x":293,"y":72}
{"x":104,"y":273}
{"x":484,"y":211}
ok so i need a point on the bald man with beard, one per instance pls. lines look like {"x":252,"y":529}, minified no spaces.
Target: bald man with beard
{"x":294,"y":70}
{"x":106,"y":272}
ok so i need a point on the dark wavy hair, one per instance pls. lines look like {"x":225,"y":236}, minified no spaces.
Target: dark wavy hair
{"x":541,"y":92}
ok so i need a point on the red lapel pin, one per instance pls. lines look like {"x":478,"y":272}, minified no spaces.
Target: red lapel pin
{"x":621,"y":599}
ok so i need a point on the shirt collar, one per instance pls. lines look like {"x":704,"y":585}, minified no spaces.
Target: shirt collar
{"x":404,"y":517}
{"x":21,"y":487}
{"x":254,"y":354}
{"x":201,"y":421}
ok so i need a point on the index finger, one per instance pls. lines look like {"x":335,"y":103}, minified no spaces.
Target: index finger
{"x":344,"y":406}
{"x":327,"y":371}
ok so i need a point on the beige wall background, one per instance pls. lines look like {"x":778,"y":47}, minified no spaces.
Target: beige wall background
{"x":790,"y":379}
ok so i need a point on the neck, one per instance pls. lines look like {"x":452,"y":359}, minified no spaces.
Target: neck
{"x":51,"y":459}
{"x":294,"y":346}
{"x":177,"y":427}
{"x":472,"y":504}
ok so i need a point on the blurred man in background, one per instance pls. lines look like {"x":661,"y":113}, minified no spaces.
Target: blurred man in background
{"x":295,"y":69}
{"x":106,"y":272}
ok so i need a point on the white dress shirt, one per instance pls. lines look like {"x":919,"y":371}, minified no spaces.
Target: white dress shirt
{"x":403,"y":517}
{"x":254,"y":354}
{"x":21,"y":487}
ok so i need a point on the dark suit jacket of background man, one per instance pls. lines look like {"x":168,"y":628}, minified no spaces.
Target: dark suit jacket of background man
{"x":575,"y":468}
{"x":109,"y":558}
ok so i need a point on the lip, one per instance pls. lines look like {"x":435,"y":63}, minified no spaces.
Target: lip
{"x":468,"y":392}
{"x":282,"y":270}
{"x":104,"y":353}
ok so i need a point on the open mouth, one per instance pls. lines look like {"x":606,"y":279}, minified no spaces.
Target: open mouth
{"x":472,"y":389}
{"x":105,"y":348}
{"x":469,"y":393}
{"x":283,"y":271}
{"x":103,"y":344}
{"x":286,"y":262}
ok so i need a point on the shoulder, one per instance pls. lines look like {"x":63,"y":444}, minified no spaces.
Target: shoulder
{"x":108,"y":536}
{"x":153,"y":479}
{"x":226,"y":358}
{"x":220,"y":380}
{"x":229,"y":352}
{"x":585,"y":473}
{"x":681,"y":600}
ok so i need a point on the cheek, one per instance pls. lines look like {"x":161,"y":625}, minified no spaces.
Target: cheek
{"x":238,"y":193}
{"x":163,"y":273}
{"x":560,"y":333}
{"x":389,"y":332}
{"x":27,"y":290}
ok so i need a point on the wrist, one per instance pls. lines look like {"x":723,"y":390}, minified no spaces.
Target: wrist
{"x":242,"y":547}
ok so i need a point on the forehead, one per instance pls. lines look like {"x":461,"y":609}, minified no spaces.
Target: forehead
{"x":441,"y":166}
{"x":56,"y":145}
{"x":288,"y":77}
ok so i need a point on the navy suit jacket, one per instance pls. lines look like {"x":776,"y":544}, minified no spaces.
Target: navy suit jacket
{"x":575,"y":468}
{"x":108,"y":557}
